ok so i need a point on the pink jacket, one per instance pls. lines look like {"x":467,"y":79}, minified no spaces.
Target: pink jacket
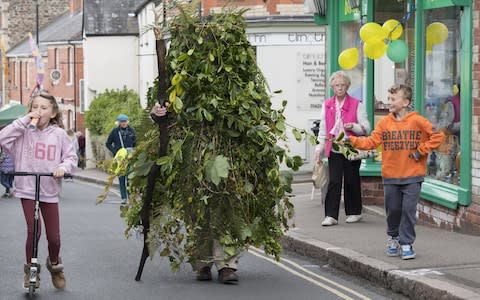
{"x":36,"y":150}
{"x":348,"y":115}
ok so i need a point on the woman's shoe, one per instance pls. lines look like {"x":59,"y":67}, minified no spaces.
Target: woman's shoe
{"x":329,"y":221}
{"x":353,"y":218}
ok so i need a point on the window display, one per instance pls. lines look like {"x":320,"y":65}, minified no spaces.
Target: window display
{"x":442,"y":88}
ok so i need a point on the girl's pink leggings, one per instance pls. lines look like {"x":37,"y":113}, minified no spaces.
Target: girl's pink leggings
{"x":49,"y":212}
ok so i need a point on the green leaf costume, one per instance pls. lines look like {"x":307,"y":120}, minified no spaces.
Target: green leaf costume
{"x":221,"y":180}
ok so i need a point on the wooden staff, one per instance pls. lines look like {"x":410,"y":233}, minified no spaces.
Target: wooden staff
{"x":162,"y":151}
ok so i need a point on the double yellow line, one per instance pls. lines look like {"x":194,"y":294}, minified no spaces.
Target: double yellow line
{"x":323,"y":282}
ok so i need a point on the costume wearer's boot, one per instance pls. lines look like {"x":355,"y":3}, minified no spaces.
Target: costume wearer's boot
{"x":26,"y":278}
{"x":227,"y":276}
{"x":204,"y":274}
{"x":58,"y":277}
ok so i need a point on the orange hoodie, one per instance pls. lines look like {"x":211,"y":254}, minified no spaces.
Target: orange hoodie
{"x":399,"y":139}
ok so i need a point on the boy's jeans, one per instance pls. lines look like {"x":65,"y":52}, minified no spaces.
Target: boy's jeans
{"x":401,"y":208}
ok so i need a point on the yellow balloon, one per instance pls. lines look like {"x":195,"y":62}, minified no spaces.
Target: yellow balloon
{"x":393,"y":29}
{"x":437,"y":33}
{"x":348,"y":59}
{"x":374,"y":49}
{"x":372,"y":31}
{"x":428,"y":46}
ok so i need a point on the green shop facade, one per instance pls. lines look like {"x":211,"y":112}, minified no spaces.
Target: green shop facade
{"x":442,"y":67}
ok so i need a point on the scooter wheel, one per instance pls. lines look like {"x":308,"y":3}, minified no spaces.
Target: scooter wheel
{"x":31,"y":291}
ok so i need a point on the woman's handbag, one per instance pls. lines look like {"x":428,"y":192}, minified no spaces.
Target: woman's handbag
{"x":320,"y":175}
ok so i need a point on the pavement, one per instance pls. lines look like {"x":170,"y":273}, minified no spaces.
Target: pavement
{"x":447,"y":265}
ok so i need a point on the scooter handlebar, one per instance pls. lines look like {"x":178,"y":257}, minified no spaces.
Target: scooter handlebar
{"x":65,"y":176}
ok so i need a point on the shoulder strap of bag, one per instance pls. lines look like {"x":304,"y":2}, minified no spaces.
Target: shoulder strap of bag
{"x":121,"y":140}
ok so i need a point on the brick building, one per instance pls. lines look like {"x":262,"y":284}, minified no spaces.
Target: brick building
{"x":61,"y":47}
{"x":19,"y":17}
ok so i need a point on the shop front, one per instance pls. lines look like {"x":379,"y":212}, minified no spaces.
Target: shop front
{"x":435,"y":55}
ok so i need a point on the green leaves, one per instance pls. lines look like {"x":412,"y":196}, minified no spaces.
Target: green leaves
{"x":217,"y":169}
{"x":343,"y":146}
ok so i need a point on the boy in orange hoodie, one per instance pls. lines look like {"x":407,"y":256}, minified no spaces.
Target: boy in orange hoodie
{"x":406,"y":138}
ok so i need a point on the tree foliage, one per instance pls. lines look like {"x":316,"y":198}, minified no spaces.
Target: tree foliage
{"x":105,"y":107}
{"x":222,"y":170}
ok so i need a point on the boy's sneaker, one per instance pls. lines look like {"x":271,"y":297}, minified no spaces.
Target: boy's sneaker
{"x":393,"y":246}
{"x":407,"y":252}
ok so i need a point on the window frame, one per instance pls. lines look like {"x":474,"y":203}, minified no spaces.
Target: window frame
{"x":439,"y":192}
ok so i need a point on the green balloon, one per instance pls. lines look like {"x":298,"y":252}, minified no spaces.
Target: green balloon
{"x":397,"y":51}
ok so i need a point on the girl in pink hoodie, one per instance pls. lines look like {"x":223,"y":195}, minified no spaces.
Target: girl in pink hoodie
{"x":44,"y":148}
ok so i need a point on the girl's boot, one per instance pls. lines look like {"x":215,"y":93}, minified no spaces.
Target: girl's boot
{"x":26,"y":278}
{"x":58,"y":277}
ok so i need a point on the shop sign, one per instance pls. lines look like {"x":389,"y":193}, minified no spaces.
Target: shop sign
{"x":287,"y":38}
{"x":311,"y":78}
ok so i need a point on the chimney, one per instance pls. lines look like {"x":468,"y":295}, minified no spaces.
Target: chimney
{"x":75,"y":6}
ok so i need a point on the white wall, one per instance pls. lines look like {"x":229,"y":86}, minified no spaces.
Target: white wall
{"x":283,"y":55}
{"x":147,"y":58}
{"x":110,"y":62}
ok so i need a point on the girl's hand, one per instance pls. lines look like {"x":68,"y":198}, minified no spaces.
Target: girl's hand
{"x":34,"y":115}
{"x":58,"y":173}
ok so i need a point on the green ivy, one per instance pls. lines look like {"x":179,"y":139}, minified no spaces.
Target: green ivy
{"x":224,"y":156}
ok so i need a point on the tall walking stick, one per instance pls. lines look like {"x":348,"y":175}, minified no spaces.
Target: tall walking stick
{"x":162,"y":151}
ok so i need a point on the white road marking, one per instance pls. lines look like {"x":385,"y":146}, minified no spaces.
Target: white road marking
{"x":261,"y":254}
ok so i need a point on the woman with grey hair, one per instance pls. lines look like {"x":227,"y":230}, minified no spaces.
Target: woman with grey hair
{"x":341,"y":113}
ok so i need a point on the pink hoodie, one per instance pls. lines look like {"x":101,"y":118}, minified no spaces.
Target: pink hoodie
{"x":36,"y":150}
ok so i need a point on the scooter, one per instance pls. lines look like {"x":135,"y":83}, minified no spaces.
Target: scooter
{"x":34,"y":265}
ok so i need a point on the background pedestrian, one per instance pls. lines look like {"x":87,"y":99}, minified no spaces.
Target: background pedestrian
{"x":122,"y":136}
{"x":341,"y":113}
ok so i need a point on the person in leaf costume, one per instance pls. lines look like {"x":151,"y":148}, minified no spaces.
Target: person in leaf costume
{"x":220,"y":187}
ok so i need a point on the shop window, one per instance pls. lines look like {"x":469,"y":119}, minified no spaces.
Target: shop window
{"x":349,"y":38}
{"x":442,"y":88}
{"x":386,"y":72}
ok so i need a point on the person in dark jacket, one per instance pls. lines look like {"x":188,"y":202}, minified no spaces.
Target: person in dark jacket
{"x":6,"y":165}
{"x":81,"y":150}
{"x":122,"y":136}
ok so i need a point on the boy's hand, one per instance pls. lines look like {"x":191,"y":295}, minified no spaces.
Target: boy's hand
{"x":58,"y":173}
{"x":416,"y":155}
{"x":345,"y":140}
